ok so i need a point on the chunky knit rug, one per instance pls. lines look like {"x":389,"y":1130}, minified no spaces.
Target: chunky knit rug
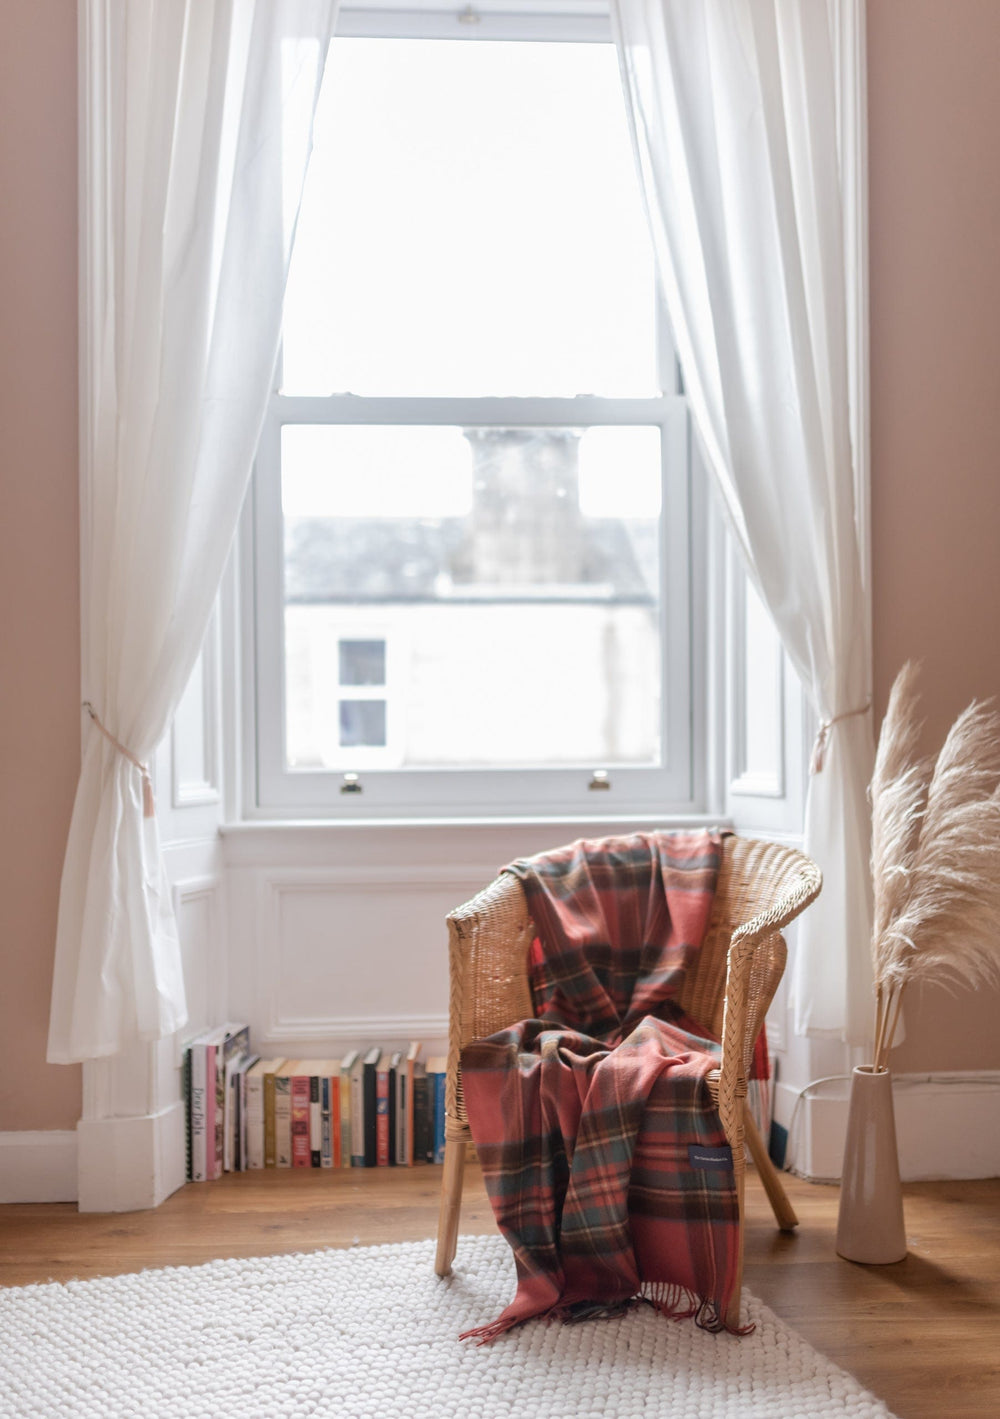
{"x":372,"y":1332}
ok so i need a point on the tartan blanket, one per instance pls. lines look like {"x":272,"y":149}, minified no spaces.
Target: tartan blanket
{"x":602,"y":1150}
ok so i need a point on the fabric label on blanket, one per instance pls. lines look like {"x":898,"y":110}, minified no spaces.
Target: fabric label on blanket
{"x":710,"y":1157}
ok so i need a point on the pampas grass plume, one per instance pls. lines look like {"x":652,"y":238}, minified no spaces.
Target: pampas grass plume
{"x":935,"y":856}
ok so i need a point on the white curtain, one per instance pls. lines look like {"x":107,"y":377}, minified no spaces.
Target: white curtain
{"x":736,"y":108}
{"x":197,"y":119}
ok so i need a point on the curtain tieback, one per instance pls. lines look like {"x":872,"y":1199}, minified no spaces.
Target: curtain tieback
{"x":148,"y":806}
{"x":823,"y":735}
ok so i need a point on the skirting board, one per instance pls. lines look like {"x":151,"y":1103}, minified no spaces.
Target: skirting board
{"x":947,"y":1126}
{"x":104,"y":1165}
{"x":130,"y":1164}
{"x":38,"y":1166}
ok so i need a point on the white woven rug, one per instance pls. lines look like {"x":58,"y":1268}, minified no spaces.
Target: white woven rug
{"x":372,"y":1332}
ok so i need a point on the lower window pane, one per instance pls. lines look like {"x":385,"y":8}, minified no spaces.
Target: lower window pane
{"x":502,"y":582}
{"x":362,"y":724}
{"x":362,"y":662}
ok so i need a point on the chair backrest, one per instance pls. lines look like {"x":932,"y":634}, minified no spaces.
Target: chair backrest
{"x":755,"y":876}
{"x":760,"y":883}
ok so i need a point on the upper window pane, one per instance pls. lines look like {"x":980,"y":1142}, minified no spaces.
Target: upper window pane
{"x":471,"y":226}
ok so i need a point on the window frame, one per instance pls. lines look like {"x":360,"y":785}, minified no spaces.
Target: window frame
{"x":675,"y":785}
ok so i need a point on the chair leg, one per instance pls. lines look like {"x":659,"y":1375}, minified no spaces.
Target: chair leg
{"x":784,"y":1213}
{"x":451,"y":1203}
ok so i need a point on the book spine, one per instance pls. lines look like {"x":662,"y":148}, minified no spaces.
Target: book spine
{"x":438,"y":1081}
{"x":369,"y":1124}
{"x":255,"y":1121}
{"x":326,"y":1141}
{"x":211,"y":1109}
{"x":336,"y":1141}
{"x":282,"y":1121}
{"x":408,"y":1127}
{"x":301,"y":1155}
{"x":228,"y":1120}
{"x":270,"y":1150}
{"x":198,"y":1119}
{"x":345,"y":1120}
{"x":393,"y":1075}
{"x":401,"y":1157}
{"x":186,"y":1085}
{"x":216,"y":1157}
{"x":357,"y":1119}
{"x":382,"y":1117}
{"x":315,"y":1123}
{"x":244,"y":1121}
{"x":421,"y":1128}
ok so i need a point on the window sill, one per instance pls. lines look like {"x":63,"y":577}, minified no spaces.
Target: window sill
{"x":251,"y":827}
{"x":478,"y":843}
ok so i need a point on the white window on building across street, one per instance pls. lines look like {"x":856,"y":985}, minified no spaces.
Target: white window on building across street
{"x":474,"y":544}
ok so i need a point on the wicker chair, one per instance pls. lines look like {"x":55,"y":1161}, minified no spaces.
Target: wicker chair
{"x":762,"y":887}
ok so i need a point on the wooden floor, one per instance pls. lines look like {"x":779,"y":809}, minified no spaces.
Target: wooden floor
{"x":923,"y":1334}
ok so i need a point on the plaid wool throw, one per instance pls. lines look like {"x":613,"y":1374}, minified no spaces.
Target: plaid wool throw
{"x":602,"y":1150}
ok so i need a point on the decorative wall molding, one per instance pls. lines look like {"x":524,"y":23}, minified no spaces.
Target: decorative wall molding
{"x":349,"y":902}
{"x":204,"y":957}
{"x":355,"y":1030}
{"x":752,"y":641}
{"x":38,"y":1166}
{"x":395,"y":879}
{"x":191,"y":889}
{"x":195,"y":730}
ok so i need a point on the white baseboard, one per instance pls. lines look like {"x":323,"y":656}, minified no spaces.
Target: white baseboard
{"x":129,"y":1164}
{"x":38,"y":1166}
{"x":947,"y":1126}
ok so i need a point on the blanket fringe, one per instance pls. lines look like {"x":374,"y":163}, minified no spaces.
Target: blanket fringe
{"x":678,"y":1303}
{"x":667,"y":1299}
{"x":674,"y":1302}
{"x":484,"y":1334}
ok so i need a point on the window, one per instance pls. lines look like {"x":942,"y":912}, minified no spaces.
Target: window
{"x":473,"y":515}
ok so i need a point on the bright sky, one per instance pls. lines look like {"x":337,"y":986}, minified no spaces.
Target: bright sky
{"x":471,"y":226}
{"x":339,"y":470}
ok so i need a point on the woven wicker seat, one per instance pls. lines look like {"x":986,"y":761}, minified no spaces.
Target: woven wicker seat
{"x":762,"y":886}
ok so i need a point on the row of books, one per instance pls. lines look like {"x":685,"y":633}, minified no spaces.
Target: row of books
{"x":371,"y":1108}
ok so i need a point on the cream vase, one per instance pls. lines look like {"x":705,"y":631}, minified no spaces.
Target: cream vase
{"x":870,"y":1221}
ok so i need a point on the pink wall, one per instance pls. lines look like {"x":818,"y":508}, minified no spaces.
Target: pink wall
{"x":39,"y":561}
{"x":934,"y":119}
{"x":935,"y":212}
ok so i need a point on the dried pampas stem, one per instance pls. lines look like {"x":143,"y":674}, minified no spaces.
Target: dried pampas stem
{"x":886,"y":1027}
{"x":935,"y":856}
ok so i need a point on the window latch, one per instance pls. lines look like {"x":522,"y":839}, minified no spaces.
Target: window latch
{"x":599,"y":779}
{"x":351,"y":784}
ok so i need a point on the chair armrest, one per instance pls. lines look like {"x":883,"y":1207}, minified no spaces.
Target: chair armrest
{"x":489,"y":939}
{"x":754,"y":965}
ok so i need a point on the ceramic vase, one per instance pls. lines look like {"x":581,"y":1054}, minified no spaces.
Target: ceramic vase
{"x":870,"y":1221}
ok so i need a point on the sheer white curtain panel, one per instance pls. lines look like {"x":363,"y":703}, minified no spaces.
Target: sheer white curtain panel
{"x":196,"y":120}
{"x":737,"y":108}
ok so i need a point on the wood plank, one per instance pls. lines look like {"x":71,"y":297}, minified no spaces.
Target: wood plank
{"x":921,"y":1333}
